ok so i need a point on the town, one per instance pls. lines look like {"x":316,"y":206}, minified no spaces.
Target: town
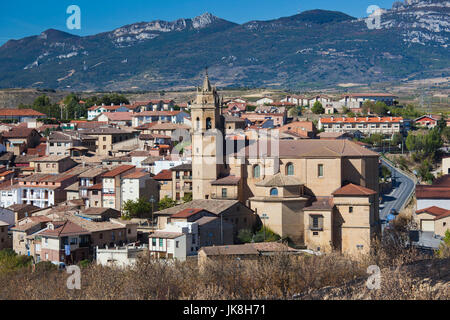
{"x":154,"y":177}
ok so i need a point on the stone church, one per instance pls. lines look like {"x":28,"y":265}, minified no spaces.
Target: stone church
{"x":322,"y":194}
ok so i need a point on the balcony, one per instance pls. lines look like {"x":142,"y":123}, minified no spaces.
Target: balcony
{"x":315,"y":228}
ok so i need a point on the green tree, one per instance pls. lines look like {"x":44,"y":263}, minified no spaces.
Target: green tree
{"x":166,"y":203}
{"x":318,"y":108}
{"x":378,"y":107}
{"x":375,"y":139}
{"x":138,"y":208}
{"x":397,"y":139}
{"x":446,"y":135}
{"x":187,"y":197}
{"x":444,"y":249}
{"x":247,"y":236}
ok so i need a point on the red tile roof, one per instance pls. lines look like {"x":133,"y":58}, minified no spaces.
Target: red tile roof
{"x":98,"y":186}
{"x":62,"y":229}
{"x":186,"y":213}
{"x":118,"y":116}
{"x":438,"y":212}
{"x":18,"y":132}
{"x":435,"y":211}
{"x":136,"y":175}
{"x":118,"y":170}
{"x":353,"y":190}
{"x":20,"y":113}
{"x":164,"y":175}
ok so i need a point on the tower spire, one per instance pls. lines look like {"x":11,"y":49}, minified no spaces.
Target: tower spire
{"x":206,"y":83}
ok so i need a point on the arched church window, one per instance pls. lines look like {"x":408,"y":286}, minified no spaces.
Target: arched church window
{"x":208,"y":123}
{"x":274,"y":192}
{"x":198,"y":123}
{"x":256,"y":171}
{"x":289,"y":169}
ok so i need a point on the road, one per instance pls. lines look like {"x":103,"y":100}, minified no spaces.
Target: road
{"x":402,"y":188}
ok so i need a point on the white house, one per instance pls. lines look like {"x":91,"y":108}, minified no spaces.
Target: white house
{"x":121,"y":257}
{"x":176,"y":236}
{"x":356,"y":100}
{"x":161,"y":165}
{"x":137,"y":185}
{"x":95,"y":111}
{"x":9,"y":194}
{"x":141,"y":118}
{"x":168,"y":245}
{"x":264,"y":101}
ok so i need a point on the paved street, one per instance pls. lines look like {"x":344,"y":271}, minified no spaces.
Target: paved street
{"x":402,"y":187}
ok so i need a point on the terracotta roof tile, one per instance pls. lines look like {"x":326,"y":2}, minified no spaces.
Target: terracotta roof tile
{"x":164,"y":175}
{"x":118,"y":170}
{"x":353,"y":190}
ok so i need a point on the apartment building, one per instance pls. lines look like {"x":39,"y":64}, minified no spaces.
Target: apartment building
{"x":62,"y":242}
{"x":141,"y":118}
{"x":19,"y":139}
{"x":112,"y":186}
{"x":139,"y":184}
{"x":95,"y":110}
{"x":9,"y":193}
{"x":52,"y":164}
{"x":356,"y":100}
{"x":366,"y":125}
{"x":165,"y":184}
{"x":181,"y":181}
{"x":107,"y":138}
{"x":44,"y":190}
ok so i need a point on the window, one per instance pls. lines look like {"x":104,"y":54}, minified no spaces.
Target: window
{"x":100,"y":236}
{"x":177,"y":244}
{"x":320,"y":170}
{"x":350,"y":209}
{"x":289,"y":169}
{"x":73,"y":241}
{"x":274,"y":192}
{"x":154,"y":242}
{"x":208,"y":123}
{"x":198,"y":124}
{"x":224,"y":192}
{"x":316,"y":222}
{"x":161,"y":242}
{"x":256,"y":171}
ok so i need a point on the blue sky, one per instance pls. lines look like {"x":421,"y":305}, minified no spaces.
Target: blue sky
{"x":21,"y":18}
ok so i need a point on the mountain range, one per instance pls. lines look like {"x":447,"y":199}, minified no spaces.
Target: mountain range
{"x":312,"y":49}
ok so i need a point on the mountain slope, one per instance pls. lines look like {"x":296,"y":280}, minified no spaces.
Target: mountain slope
{"x":314,"y":48}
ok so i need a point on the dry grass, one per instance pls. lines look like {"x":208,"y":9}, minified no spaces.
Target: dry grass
{"x":405,"y":275}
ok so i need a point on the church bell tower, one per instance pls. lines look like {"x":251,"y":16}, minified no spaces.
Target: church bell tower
{"x":207,"y":140}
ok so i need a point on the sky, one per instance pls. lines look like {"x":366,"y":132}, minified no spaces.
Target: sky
{"x":22,"y":18}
